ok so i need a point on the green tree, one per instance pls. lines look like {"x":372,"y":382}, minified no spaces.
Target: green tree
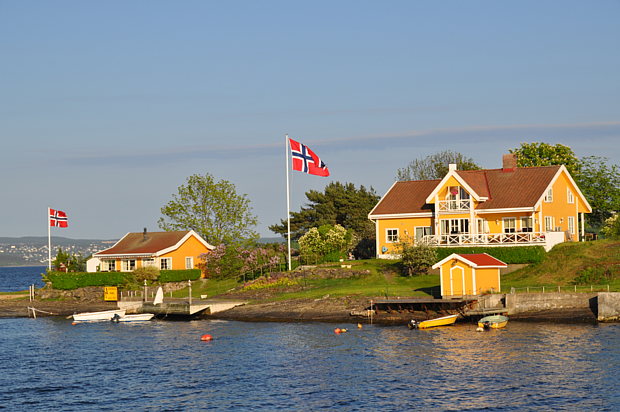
{"x":611,"y":227}
{"x":543,"y":154}
{"x":213,"y":210}
{"x":340,"y":204}
{"x":600,"y":184}
{"x":327,"y":241}
{"x":435,"y":166}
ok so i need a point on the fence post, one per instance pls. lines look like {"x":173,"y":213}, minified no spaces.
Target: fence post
{"x":591,"y":288}
{"x":543,"y":289}
{"x":607,"y":288}
{"x":558,"y":288}
{"x":528,"y":289}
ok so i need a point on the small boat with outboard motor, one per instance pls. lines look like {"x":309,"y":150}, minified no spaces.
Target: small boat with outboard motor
{"x":432,"y":323}
{"x":139,"y":317}
{"x":493,"y":322}
{"x":98,"y":316}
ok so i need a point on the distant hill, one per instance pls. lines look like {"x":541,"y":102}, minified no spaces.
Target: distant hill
{"x":278,"y":239}
{"x":15,"y":260}
{"x":56,"y":241}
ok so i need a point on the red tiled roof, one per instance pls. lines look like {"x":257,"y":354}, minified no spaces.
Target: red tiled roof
{"x":522,"y":187}
{"x":407,"y":197}
{"x":134,"y":243}
{"x":482,"y":259}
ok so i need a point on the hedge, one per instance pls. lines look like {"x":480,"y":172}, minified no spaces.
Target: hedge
{"x":74,"y":280}
{"x":178,"y":275}
{"x":507,"y":254}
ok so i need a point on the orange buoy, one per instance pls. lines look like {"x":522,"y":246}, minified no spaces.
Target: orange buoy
{"x":73,"y":323}
{"x":337,"y":330}
{"x":206,"y":338}
{"x":359,"y":326}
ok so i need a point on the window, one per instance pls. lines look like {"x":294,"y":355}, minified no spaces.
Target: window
{"x":109,"y":265}
{"x":420,"y":232}
{"x":391,"y":235}
{"x":128,"y":265}
{"x":165,"y":263}
{"x":526,"y":224}
{"x":463,"y":194}
{"x":569,"y":196}
{"x":483,"y":226}
{"x":189,"y":263}
{"x":571,"y":224}
{"x":548,"y":223}
{"x":549,"y":196}
{"x":148,"y":262}
{"x":510,"y":225}
{"x":454,"y":226}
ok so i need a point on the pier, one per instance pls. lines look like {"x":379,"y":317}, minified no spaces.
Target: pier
{"x":177,"y":307}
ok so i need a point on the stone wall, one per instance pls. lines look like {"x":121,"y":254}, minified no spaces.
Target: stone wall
{"x":608,"y":306}
{"x":536,"y":302}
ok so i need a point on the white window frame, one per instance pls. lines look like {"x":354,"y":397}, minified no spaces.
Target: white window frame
{"x":570,"y":198}
{"x":126,"y":265}
{"x":426,"y":230}
{"x":529,"y":223}
{"x":549,"y":196}
{"x":571,"y":225}
{"x":514,"y":224}
{"x":482,"y":225}
{"x":189,"y":262}
{"x":147,"y":262}
{"x":549,"y":224}
{"x":168,"y":261}
{"x":109,"y":265}
{"x":390,"y":236}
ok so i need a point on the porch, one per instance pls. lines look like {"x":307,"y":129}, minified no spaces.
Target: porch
{"x":545,"y":239}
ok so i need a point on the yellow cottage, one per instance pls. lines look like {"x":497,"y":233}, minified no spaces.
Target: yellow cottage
{"x":469,"y":274}
{"x":511,"y":206}
{"x":164,"y":250}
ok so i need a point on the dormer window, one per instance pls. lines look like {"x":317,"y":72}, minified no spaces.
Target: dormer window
{"x":549,"y":196}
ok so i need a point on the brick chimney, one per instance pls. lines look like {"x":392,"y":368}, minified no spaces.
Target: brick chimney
{"x":145,"y":237}
{"x":510,"y":163}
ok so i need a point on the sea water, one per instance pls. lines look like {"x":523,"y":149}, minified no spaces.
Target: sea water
{"x":50,"y":364}
{"x":14,"y":279}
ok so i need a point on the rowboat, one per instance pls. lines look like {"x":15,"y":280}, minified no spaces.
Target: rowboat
{"x":140,"y":317}
{"x":431,"y":323}
{"x":493,"y":322}
{"x":98,"y":316}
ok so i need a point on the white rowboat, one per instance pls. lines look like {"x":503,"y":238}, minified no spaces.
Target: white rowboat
{"x":98,"y":316}
{"x":140,"y":317}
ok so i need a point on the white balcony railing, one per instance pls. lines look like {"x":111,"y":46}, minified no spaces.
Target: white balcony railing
{"x":505,"y":239}
{"x":454,"y":205}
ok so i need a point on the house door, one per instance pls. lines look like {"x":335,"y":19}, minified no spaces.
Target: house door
{"x":457,"y":281}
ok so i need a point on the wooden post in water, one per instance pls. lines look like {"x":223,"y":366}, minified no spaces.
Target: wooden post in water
{"x":189,"y":285}
{"x":144,"y":290}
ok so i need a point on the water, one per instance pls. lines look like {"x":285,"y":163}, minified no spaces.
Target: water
{"x":14,"y":279}
{"x":48,"y":364}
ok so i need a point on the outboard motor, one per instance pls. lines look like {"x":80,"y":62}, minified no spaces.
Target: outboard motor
{"x":413,"y":324}
{"x":115,"y":318}
{"x":487,"y":325}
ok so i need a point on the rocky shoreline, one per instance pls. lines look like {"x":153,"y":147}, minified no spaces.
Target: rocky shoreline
{"x":331,"y":310}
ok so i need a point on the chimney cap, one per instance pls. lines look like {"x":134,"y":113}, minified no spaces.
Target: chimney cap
{"x":452,"y":167}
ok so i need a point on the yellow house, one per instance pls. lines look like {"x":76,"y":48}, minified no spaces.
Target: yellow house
{"x":510,"y":206}
{"x":469,"y":274}
{"x":164,"y":250}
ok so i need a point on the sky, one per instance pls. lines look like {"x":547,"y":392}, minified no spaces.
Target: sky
{"x":106,"y":108}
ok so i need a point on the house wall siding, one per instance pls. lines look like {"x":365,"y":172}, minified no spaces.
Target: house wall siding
{"x":192,"y":247}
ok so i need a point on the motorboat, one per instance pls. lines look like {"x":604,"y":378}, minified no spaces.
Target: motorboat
{"x":139,"y":317}
{"x":493,"y":322}
{"x":98,"y":316}
{"x":432,"y":323}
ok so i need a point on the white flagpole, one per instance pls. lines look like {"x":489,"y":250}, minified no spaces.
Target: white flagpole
{"x":49,"y":240}
{"x":288,"y":206}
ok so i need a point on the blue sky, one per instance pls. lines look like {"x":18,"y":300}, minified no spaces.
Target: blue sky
{"x":107,"y":107}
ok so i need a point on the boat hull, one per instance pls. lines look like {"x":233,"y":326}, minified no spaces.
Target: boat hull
{"x":98,"y":316}
{"x":493,"y":322}
{"x":433,"y":323}
{"x":141,"y":317}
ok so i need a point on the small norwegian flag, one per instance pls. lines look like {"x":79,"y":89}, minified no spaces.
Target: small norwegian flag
{"x":58,"y":218}
{"x":304,"y":160}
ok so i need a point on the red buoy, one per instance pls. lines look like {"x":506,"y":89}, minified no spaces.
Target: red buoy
{"x":337,"y":330}
{"x":206,"y":338}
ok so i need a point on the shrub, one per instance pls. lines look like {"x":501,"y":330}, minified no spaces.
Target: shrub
{"x":270,"y":282}
{"x":417,"y":257}
{"x":74,"y":280}
{"x":178,"y":275}
{"x":611,"y":228}
{"x":507,"y":254}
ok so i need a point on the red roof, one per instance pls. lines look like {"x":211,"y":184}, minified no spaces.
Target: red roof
{"x":482,"y":259}
{"x":136,"y":243}
{"x":407,"y":197}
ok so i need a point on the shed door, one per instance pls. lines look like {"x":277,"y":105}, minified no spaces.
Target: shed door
{"x":457,"y":280}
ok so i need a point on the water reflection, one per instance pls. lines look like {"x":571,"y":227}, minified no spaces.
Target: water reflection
{"x":49,"y":364}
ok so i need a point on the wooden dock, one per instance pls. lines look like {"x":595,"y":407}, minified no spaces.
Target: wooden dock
{"x":178,"y":307}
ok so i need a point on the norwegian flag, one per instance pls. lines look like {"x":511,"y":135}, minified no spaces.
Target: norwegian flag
{"x":58,"y":218}
{"x":304,"y":160}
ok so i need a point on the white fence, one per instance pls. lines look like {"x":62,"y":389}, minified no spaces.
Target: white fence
{"x":504,"y":239}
